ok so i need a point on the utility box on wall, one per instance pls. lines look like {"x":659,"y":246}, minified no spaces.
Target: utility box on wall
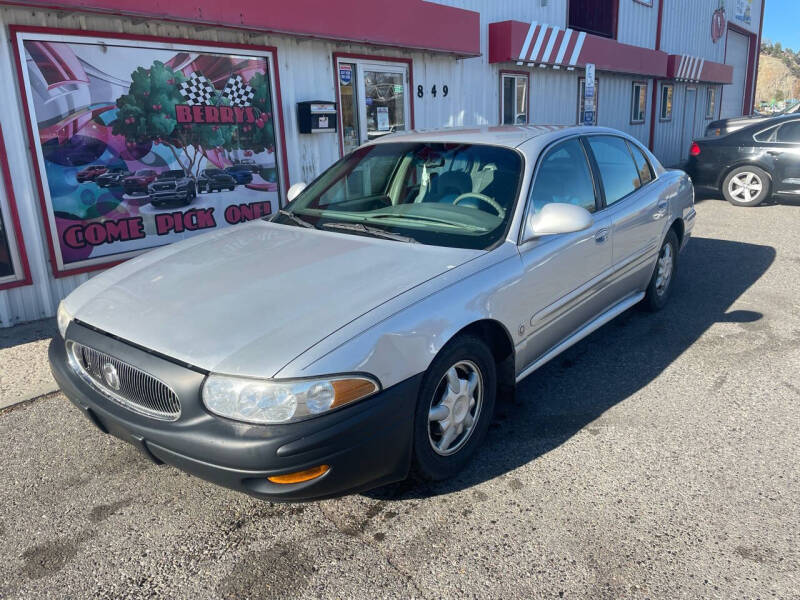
{"x":316,"y":116}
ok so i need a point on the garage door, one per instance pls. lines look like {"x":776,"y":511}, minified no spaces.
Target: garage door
{"x":736,"y":56}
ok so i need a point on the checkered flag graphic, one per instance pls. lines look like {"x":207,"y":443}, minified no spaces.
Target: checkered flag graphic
{"x":197,"y":90}
{"x":238,"y":92}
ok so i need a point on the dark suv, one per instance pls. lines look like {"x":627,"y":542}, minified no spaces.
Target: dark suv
{"x":113,"y":177}
{"x":211,"y":180}
{"x":138,"y":182}
{"x":172,"y":185}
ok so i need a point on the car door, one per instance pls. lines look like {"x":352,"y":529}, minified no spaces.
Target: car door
{"x":562,"y":273}
{"x":783,"y":149}
{"x":636,"y":209}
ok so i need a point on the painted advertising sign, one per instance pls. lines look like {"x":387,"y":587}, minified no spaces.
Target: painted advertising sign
{"x":744,"y":12}
{"x":140,"y":144}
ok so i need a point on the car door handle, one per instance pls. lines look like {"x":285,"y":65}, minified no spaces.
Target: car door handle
{"x":662,"y":210}
{"x":601,"y":235}
{"x":774,"y":152}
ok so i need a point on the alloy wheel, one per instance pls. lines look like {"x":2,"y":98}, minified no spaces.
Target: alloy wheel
{"x":665,"y":265}
{"x":745,"y":186}
{"x":455,"y":408}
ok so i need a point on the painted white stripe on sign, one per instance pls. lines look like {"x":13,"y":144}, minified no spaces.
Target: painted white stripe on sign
{"x":564,"y":43}
{"x":700,"y":70}
{"x":537,"y":44}
{"x":525,"y":46}
{"x":680,"y":67}
{"x":550,"y":43}
{"x":578,"y":47}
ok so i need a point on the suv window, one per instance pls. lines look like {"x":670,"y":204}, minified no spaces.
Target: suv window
{"x":564,"y":176}
{"x":617,"y":169}
{"x":642,"y":165}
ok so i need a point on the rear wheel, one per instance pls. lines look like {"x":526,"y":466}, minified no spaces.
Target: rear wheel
{"x":746,"y":186}
{"x":661,"y":282}
{"x":454,"y":408}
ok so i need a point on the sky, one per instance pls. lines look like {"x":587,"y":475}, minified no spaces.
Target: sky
{"x":782,"y":22}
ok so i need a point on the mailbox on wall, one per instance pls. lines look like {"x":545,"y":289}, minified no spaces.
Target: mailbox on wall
{"x":316,"y":116}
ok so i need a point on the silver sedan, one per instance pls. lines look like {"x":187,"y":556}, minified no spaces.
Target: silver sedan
{"x":363,"y":333}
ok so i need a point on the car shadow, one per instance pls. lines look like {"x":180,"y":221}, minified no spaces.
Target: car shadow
{"x":705,"y":194}
{"x":609,"y":366}
{"x":25,"y":333}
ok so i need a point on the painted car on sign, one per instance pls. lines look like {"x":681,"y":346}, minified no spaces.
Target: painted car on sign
{"x":90,"y":173}
{"x":364,"y":332}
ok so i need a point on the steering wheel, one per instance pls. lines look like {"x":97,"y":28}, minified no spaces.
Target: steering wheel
{"x":501,"y":212}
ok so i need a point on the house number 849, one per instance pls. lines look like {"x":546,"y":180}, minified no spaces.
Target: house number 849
{"x":434,"y":91}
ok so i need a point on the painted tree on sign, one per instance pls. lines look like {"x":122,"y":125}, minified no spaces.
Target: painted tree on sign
{"x":147,"y":113}
{"x":259,"y":136}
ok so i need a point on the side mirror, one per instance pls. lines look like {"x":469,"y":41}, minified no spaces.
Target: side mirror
{"x":558,"y":217}
{"x":295,"y":190}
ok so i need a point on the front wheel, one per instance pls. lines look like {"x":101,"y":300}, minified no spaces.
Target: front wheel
{"x":746,"y":186}
{"x":666,"y":266}
{"x":454,"y":408}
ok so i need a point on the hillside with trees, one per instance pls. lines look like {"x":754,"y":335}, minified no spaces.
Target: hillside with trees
{"x":778,"y":74}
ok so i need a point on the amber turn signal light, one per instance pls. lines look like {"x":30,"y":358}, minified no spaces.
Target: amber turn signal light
{"x":300,"y":476}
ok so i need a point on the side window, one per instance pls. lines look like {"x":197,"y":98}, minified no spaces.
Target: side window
{"x":617,"y":169}
{"x":564,"y":176}
{"x":515,"y":99}
{"x":789,"y":133}
{"x":768,"y":135}
{"x":642,"y":165}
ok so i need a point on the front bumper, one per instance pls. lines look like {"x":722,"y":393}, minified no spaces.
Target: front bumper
{"x":365,"y":445}
{"x":168,"y":195}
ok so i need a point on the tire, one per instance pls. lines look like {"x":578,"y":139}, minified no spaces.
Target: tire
{"x":746,"y":186}
{"x":232,"y":188}
{"x":660,"y":286}
{"x":471,"y":360}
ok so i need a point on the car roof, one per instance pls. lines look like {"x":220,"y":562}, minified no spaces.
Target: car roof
{"x":502,"y":135}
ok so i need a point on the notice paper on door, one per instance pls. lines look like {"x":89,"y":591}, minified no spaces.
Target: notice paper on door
{"x":383,"y":118}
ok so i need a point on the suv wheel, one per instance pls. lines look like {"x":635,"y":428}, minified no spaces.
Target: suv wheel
{"x":454,"y":408}
{"x":746,"y":186}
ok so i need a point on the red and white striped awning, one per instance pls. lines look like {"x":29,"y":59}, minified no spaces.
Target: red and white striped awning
{"x":543,"y":45}
{"x":695,"y":69}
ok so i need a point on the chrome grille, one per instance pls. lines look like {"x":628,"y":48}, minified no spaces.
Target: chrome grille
{"x":133,"y":388}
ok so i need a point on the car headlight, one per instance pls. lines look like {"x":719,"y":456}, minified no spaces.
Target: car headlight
{"x":274,"y":401}
{"x":63,"y":319}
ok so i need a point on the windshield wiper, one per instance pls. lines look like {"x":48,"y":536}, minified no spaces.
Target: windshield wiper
{"x":453,"y":224}
{"x":381,"y":233}
{"x":293,"y":217}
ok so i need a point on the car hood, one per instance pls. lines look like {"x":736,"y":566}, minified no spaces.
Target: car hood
{"x":248,"y":299}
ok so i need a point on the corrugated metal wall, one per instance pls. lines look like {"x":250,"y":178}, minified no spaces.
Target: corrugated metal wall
{"x":306,"y":73}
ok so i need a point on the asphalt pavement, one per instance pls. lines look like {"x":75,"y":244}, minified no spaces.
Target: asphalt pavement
{"x":658,"y":458}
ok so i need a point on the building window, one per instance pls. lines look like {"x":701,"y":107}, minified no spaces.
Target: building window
{"x":13,"y":263}
{"x":638,"y":102}
{"x":514,"y":98}
{"x":598,"y":17}
{"x":666,"y":102}
{"x":582,"y":99}
{"x":645,"y":2}
{"x":711,"y":102}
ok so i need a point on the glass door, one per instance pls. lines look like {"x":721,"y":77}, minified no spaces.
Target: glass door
{"x":374,"y":100}
{"x":384,"y":106}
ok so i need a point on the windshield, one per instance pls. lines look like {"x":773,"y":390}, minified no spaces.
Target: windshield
{"x":214,"y":172}
{"x":171,"y":174}
{"x":145,"y":173}
{"x":456,"y":195}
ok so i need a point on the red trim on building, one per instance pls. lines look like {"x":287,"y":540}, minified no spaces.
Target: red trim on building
{"x":679,"y":66}
{"x":15,"y":223}
{"x":659,"y":24}
{"x":14,"y":30}
{"x":378,"y":58}
{"x":506,"y":40}
{"x":758,"y":53}
{"x":408,"y":24}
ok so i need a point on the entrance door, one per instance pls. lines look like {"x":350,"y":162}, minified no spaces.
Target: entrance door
{"x":374,"y":100}
{"x":736,"y":54}
{"x":689,"y":116}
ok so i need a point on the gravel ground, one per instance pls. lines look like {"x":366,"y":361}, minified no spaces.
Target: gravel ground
{"x":655,"y":459}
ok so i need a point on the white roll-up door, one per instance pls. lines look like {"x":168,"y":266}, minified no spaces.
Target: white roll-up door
{"x":736,"y":56}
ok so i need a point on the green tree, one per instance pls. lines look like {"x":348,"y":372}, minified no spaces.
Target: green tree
{"x":147,"y":113}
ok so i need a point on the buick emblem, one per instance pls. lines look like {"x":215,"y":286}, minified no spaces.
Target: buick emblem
{"x":110,"y":376}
